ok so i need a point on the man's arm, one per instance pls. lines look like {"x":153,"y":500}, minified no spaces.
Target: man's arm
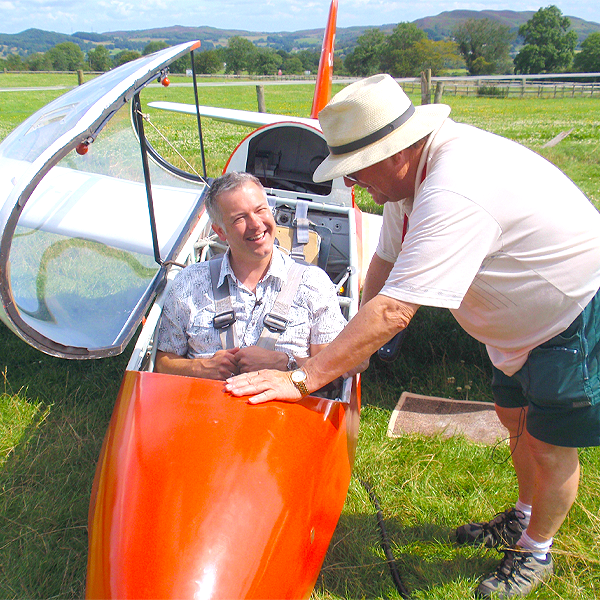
{"x":254,"y":358}
{"x":219,"y":366}
{"x":375,"y":279}
{"x":375,"y":323}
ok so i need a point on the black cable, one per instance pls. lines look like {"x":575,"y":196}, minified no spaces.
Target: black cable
{"x":385,"y":544}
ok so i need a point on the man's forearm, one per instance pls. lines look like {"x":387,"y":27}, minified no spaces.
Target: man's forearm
{"x":375,"y":323}
{"x":174,"y":364}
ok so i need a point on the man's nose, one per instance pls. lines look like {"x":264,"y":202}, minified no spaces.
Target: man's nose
{"x":254,"y":221}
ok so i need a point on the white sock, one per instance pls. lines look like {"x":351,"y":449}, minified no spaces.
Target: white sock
{"x":538,"y":549}
{"x":526,"y":510}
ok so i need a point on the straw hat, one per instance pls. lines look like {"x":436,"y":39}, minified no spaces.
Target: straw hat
{"x":369,"y":121}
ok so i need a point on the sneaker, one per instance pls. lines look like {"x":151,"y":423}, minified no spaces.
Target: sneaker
{"x":518,"y":574}
{"x":504,"y":529}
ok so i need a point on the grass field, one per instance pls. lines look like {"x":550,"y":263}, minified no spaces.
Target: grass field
{"x":53,"y":413}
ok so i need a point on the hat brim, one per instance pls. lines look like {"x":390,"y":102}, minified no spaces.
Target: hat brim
{"x":427,"y":118}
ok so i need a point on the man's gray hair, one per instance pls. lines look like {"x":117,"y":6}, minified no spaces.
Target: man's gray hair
{"x":226,"y":183}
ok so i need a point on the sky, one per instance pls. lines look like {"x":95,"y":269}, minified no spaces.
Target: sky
{"x":100,"y":16}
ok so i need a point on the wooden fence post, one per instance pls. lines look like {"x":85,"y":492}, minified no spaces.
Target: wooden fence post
{"x":260,"y":96}
{"x":439,"y":90}
{"x":426,"y":87}
{"x":79,"y":77}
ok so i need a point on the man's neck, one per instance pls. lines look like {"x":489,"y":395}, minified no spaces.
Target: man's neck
{"x":250,"y":273}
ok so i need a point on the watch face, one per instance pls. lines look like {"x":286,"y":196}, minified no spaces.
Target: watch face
{"x":298,"y":376}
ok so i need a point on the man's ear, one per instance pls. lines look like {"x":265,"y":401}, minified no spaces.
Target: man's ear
{"x":397,"y":158}
{"x":220,"y":232}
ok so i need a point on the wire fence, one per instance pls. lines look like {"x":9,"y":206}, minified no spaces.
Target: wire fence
{"x":521,"y":89}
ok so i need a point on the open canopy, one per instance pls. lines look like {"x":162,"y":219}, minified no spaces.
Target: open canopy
{"x":80,"y":261}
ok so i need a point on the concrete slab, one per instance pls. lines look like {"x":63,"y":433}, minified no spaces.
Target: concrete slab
{"x":430,"y":415}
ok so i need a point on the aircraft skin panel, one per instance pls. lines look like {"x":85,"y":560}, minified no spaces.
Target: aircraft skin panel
{"x":201,"y":495}
{"x":231,"y":115}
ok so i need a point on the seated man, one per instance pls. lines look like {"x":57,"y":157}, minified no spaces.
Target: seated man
{"x":254,"y":271}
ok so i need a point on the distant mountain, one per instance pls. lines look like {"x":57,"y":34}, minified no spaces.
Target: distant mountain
{"x":437,"y":28}
{"x":442,"y":25}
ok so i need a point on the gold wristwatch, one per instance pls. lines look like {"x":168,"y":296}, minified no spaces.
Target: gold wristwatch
{"x":298,"y":378}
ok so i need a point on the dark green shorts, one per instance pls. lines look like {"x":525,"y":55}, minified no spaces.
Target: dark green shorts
{"x":560,"y":384}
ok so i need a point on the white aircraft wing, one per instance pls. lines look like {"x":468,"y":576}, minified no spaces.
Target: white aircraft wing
{"x":230,"y":115}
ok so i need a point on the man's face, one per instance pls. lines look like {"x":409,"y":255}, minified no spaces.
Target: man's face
{"x":390,"y":180}
{"x":247,"y":223}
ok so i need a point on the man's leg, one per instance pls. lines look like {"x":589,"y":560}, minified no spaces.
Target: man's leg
{"x":556,"y":482}
{"x":551,"y":475}
{"x":505,"y":528}
{"x":525,"y":466}
{"x":548,"y":475}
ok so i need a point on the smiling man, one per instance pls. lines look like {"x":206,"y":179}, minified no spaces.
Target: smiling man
{"x":508,"y":243}
{"x":253,"y":272}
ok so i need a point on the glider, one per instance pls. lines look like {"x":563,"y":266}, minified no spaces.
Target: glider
{"x":197,"y":494}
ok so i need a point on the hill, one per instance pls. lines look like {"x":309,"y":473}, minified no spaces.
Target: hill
{"x":437,"y":27}
{"x":442,"y":25}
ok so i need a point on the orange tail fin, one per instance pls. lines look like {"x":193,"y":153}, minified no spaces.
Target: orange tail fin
{"x":324,"y":76}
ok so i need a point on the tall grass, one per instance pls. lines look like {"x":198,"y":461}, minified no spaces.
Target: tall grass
{"x":53,"y":413}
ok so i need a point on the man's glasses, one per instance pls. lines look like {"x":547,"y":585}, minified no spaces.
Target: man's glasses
{"x":352,"y":179}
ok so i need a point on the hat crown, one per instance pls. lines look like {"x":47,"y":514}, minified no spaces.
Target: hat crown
{"x":362,"y":108}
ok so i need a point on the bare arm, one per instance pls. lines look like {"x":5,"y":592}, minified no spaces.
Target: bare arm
{"x":376,"y":277}
{"x":375,"y":323}
{"x":219,"y":366}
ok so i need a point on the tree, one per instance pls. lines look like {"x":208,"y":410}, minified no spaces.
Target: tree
{"x":208,"y":62}
{"x":395,"y":56}
{"x":310,"y":60}
{"x":437,"y":56}
{"x":588,"y":60}
{"x":239,"y":54}
{"x":126,"y":56}
{"x":485,"y":45}
{"x":66,"y":56}
{"x":264,"y":61}
{"x":99,"y":59}
{"x":14,"y":62}
{"x":292,"y":66}
{"x":38,"y":62}
{"x":549,"y":47}
{"x":365,"y":59}
{"x":152,"y":47}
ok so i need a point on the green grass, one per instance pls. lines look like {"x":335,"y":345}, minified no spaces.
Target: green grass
{"x":53,"y":413}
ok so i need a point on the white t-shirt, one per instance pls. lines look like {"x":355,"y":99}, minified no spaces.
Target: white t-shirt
{"x":498,"y":235}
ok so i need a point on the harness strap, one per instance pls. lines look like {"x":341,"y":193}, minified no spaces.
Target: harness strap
{"x":300,"y":230}
{"x":276,"y":321}
{"x":224,"y":315}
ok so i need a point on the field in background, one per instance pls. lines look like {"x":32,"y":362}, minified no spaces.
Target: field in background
{"x":53,"y":413}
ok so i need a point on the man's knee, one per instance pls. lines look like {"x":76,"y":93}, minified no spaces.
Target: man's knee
{"x":512,"y":418}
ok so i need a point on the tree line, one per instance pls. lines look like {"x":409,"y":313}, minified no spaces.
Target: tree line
{"x":479,"y":46}
{"x":240,"y":55}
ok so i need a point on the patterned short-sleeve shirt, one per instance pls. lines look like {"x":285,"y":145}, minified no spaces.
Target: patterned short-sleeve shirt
{"x":186,"y":326}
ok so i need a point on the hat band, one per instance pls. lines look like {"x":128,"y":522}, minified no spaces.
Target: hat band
{"x":375,"y":136}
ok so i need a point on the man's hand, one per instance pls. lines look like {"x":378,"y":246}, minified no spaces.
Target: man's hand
{"x":219,"y":366}
{"x":264,"y":386}
{"x":254,"y":358}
